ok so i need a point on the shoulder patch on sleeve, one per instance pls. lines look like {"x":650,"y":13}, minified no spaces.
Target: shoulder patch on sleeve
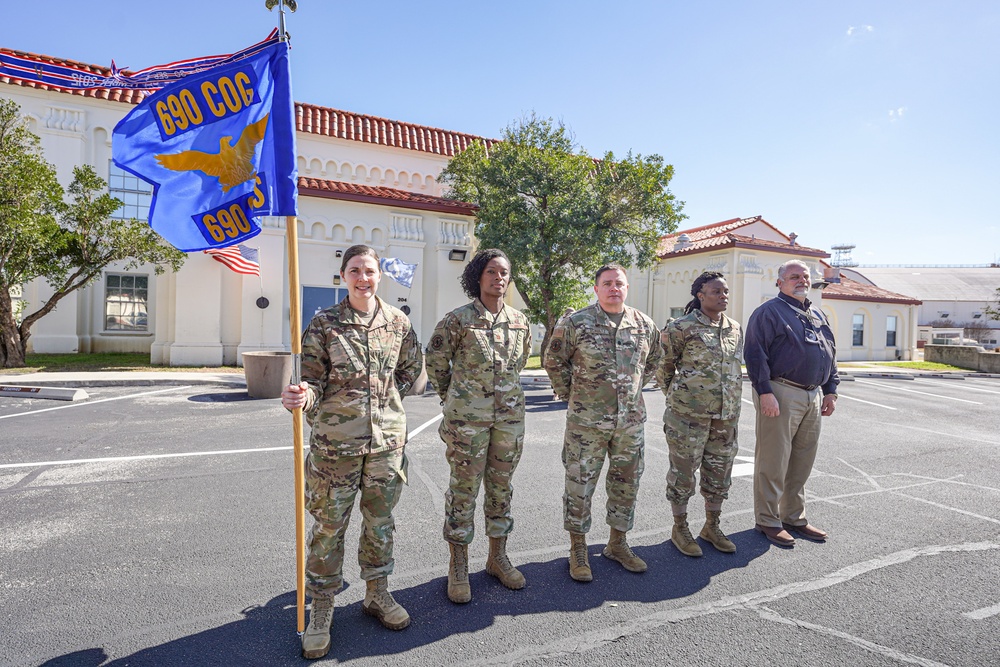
{"x":556,"y":344}
{"x":437,"y":342}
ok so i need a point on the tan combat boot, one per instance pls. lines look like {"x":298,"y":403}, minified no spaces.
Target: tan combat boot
{"x":681,"y":537}
{"x":316,"y":640}
{"x":619,"y":550}
{"x":579,"y":562}
{"x":380,"y":604}
{"x":459,"y":590}
{"x":713,"y":534}
{"x":500,"y":567}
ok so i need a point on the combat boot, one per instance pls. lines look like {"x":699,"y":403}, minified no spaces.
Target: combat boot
{"x":459,"y":590}
{"x":713,"y":534}
{"x":499,"y":565}
{"x":681,"y":537}
{"x":619,"y":550}
{"x":316,"y":640}
{"x":380,"y":604}
{"x":579,"y":562}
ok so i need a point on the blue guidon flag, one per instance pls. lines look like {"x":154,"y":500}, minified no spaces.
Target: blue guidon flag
{"x":218,"y":147}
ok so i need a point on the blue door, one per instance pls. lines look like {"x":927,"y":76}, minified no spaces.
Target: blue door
{"x":315,"y":299}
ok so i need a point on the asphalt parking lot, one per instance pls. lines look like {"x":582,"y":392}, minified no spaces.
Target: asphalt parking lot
{"x":154,"y":526}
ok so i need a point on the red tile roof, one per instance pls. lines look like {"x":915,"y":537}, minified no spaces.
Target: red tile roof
{"x":852,"y":290}
{"x":737,"y":241}
{"x":374,"y":130}
{"x":717,"y":228}
{"x":309,"y":118}
{"x":382,"y":196}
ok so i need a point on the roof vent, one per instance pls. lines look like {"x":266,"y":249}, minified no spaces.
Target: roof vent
{"x":683,"y":241}
{"x":792,"y":237}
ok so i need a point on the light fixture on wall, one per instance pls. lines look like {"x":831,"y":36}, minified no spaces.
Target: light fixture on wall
{"x":457,"y":255}
{"x":339,"y":253}
{"x":336,"y":279}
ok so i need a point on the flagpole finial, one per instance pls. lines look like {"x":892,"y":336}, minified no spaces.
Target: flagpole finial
{"x":281,"y":4}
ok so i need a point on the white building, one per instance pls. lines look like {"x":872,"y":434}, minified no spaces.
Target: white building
{"x":364,"y":179}
{"x":958,"y":294}
{"x":869,"y":323}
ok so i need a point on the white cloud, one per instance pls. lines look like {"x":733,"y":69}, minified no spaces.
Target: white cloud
{"x":861,"y":29}
{"x":896,"y":114}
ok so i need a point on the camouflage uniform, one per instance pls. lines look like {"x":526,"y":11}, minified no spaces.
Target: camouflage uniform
{"x":474,"y":360}
{"x":701,"y":377}
{"x":601,"y":370}
{"x":357,"y":376}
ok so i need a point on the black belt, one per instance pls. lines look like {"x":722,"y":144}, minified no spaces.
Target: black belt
{"x":807,"y":387}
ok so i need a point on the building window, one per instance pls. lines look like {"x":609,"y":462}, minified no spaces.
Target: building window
{"x":134,"y":192}
{"x":858,"y":331}
{"x":890,"y":331}
{"x":676,"y":312}
{"x":126,"y":298}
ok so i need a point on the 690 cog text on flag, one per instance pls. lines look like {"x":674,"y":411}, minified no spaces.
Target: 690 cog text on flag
{"x":219,"y":148}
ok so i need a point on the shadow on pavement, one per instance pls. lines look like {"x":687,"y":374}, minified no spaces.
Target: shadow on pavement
{"x":227,"y":397}
{"x":266,"y":637}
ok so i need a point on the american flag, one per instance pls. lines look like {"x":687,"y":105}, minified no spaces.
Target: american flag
{"x":239,"y":258}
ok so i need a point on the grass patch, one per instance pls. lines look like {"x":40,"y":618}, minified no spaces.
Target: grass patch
{"x":534,"y":363}
{"x":919,"y":365}
{"x":105,"y":361}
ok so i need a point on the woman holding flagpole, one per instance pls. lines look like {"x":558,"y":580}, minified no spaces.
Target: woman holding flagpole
{"x":359,"y":358}
{"x":474,"y":359}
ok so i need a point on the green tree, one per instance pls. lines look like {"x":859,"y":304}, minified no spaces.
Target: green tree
{"x":992,"y":310}
{"x":68,"y":244}
{"x":560,"y":214}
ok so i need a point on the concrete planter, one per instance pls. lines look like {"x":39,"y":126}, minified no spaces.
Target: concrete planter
{"x":267,"y":373}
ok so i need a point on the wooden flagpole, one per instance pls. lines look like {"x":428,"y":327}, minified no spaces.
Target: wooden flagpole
{"x":294,"y":317}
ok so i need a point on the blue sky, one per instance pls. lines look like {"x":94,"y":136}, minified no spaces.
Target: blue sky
{"x":845,"y":122}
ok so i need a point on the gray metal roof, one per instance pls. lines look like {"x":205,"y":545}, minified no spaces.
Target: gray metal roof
{"x":937,"y":283}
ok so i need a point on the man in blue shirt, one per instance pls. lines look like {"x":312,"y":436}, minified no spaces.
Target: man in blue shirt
{"x":790,"y":356}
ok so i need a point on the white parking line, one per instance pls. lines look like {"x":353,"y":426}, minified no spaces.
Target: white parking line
{"x":913,"y":391}
{"x":417,"y":430}
{"x":140,"y":457}
{"x":959,"y":385}
{"x":101,"y":400}
{"x":985,"y":612}
{"x":861,"y":400}
{"x":145,"y":457}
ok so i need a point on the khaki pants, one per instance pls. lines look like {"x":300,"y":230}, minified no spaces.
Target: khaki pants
{"x":784,"y":456}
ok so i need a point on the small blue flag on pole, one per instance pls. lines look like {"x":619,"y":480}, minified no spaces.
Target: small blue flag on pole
{"x":398,"y":270}
{"x":219,"y":148}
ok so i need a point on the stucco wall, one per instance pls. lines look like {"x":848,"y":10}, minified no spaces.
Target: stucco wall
{"x":964,"y":356}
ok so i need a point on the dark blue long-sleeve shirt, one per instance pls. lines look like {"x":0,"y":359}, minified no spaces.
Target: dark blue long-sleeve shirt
{"x":779,"y":342}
